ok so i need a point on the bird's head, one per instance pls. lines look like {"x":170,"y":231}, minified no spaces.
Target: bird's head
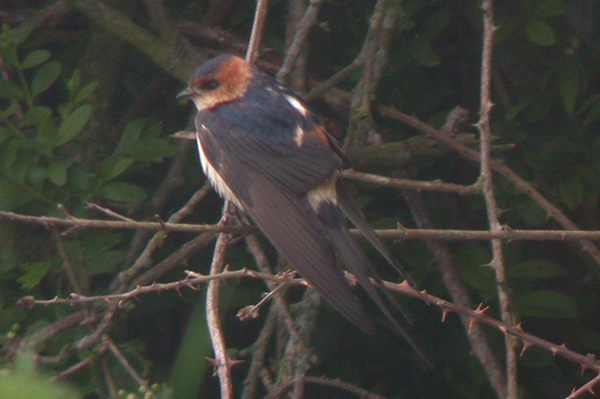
{"x":220,"y":80}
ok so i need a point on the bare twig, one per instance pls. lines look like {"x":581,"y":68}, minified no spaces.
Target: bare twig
{"x":222,"y":360}
{"x":497,"y":263}
{"x":119,"y":224}
{"x":257,"y":362}
{"x":361,"y":118}
{"x":411,"y":184}
{"x":345,"y":386}
{"x":258,"y":25}
{"x":478,"y":315}
{"x":458,"y":291}
{"x":191,"y":281}
{"x":67,"y":265}
{"x":588,"y":387}
{"x":400,"y":233}
{"x":110,"y":383}
{"x":74,"y":368}
{"x":145,"y":258}
{"x":108,"y":212}
{"x":499,"y":167}
{"x":303,"y":28}
{"x":124,"y":362}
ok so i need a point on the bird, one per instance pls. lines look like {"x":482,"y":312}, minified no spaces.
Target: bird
{"x":265,"y":151}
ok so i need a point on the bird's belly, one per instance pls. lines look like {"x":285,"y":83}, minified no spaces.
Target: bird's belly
{"x":215,"y":178}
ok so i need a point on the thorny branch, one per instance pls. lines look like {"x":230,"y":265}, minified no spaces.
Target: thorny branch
{"x":497,"y":263}
{"x":222,"y":360}
{"x":400,"y":233}
{"x":477,"y":315}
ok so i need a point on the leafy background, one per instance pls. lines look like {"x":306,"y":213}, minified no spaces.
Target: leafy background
{"x":86,"y":114}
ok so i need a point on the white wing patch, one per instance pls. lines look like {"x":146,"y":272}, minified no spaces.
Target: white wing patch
{"x":299,"y":136}
{"x":214,"y":177}
{"x":325,"y":191}
{"x":297,"y":104}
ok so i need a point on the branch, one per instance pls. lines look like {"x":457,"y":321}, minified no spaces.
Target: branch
{"x":361,"y":118}
{"x":399,"y":233}
{"x":411,"y":184}
{"x":258,"y":25}
{"x":458,"y":290}
{"x":345,"y":386}
{"x":303,"y":28}
{"x":499,"y":167}
{"x":477,"y":315}
{"x":222,"y":361}
{"x":589,"y":387}
{"x":497,"y":262}
{"x":174,"y":59}
{"x":191,"y":281}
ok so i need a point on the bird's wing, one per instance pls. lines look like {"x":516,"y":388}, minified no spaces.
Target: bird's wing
{"x":357,"y":263}
{"x":350,"y":209}
{"x":270,"y":179}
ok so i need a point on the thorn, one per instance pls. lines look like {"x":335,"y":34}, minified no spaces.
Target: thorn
{"x":480,"y":309}
{"x":444,"y":315}
{"x":526,"y":345}
{"x":519,"y":327}
{"x":424,"y":292}
{"x":472,"y":322}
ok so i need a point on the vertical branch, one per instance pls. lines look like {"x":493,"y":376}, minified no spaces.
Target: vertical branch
{"x":222,"y":361}
{"x":293,"y":51}
{"x":258,"y":25}
{"x":361,"y":118}
{"x":497,"y":262}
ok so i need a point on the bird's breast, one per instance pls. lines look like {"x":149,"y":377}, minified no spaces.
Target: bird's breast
{"x":216,"y":180}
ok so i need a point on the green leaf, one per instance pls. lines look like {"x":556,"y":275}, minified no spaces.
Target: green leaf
{"x":85,"y":92}
{"x":104,"y":262}
{"x":517,"y":108}
{"x":45,"y":77}
{"x":550,"y":8}
{"x":569,"y":86}
{"x":34,"y":273}
{"x":10,"y":90}
{"x":536,"y":268}
{"x":73,"y":83}
{"x":19,"y":35}
{"x":424,"y":54}
{"x":594,"y":110}
{"x":571,"y":191}
{"x":72,"y":125}
{"x":547,"y":304}
{"x":12,"y":195}
{"x":122,"y":192}
{"x":130,"y":137}
{"x":36,"y":115}
{"x":539,"y":32}
{"x":29,"y":385}
{"x":112,"y":167}
{"x":35,"y":58}
{"x":10,"y":111}
{"x":57,"y":171}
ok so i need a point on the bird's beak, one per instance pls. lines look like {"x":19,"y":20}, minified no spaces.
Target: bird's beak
{"x":184,"y":94}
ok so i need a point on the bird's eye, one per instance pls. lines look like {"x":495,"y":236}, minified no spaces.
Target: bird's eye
{"x":209,"y":85}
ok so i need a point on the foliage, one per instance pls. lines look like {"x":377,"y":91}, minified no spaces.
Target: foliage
{"x":62,"y":147}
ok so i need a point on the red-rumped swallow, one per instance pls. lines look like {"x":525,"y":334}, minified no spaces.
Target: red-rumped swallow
{"x":265,"y":151}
